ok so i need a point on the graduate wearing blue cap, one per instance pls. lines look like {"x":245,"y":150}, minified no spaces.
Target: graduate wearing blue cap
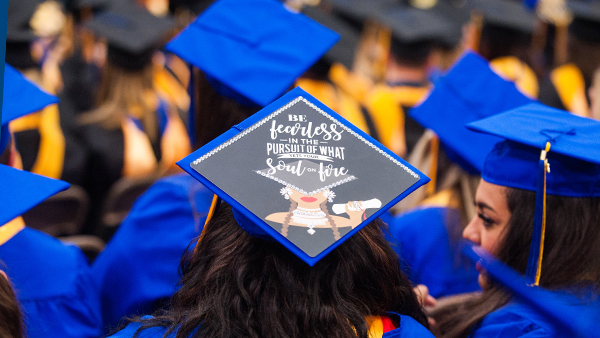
{"x":537,"y":207}
{"x":430,"y":252}
{"x":52,"y":280}
{"x":291,"y":247}
{"x":138,"y":270}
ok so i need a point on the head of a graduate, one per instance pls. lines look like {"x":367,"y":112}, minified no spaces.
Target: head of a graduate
{"x":132,"y":34}
{"x":301,"y":190}
{"x":539,"y":195}
{"x":468,"y":92}
{"x":415,"y":33}
{"x":244,"y":55}
{"x":507,"y":28}
{"x":21,"y":97}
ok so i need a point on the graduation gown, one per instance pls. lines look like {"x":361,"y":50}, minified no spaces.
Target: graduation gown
{"x":428,"y":253}
{"x":409,"y":328}
{"x":520,"y":320}
{"x":52,"y":282}
{"x":388,"y":106}
{"x":139,"y":267}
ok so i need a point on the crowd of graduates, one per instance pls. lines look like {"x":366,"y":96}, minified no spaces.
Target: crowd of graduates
{"x":492,"y":106}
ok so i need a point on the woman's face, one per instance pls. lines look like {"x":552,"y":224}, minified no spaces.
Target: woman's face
{"x":313,"y":200}
{"x":486,"y":229}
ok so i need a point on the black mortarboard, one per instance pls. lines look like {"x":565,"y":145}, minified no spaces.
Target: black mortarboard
{"x":282,"y":168}
{"x":412,"y":25}
{"x":133,"y":33}
{"x":506,"y":13}
{"x":586,"y":20}
{"x":343,"y":51}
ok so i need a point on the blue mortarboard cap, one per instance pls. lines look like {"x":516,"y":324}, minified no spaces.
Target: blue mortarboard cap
{"x":22,"y":190}
{"x":470,"y":91}
{"x":257,"y":48}
{"x":545,"y":150}
{"x":574,"y":154}
{"x":569,"y":316}
{"x":21,"y":97}
{"x":282,"y":168}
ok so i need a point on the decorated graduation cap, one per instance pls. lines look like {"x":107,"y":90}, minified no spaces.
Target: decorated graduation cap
{"x":21,"y":190}
{"x":469,"y":91}
{"x":569,"y":316}
{"x":133,"y":33}
{"x":410,"y":25}
{"x":586,"y":20}
{"x":252,"y":49}
{"x":545,"y":150}
{"x":506,"y":13}
{"x":21,"y":97}
{"x":298,"y":173}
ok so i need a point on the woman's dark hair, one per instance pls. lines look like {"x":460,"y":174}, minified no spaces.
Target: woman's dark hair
{"x":237,"y":285}
{"x":214,"y":113}
{"x":571,"y":254}
{"x":10,"y":312}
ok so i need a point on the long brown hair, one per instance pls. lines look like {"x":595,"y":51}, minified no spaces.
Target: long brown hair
{"x":571,"y":254}
{"x":11,"y":318}
{"x":237,"y":285}
{"x":123,"y":93}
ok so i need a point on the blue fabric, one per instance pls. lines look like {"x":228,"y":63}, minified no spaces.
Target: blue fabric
{"x":21,"y":96}
{"x":409,"y":328}
{"x":566,"y":313}
{"x":255,"y":47}
{"x":512,"y":321}
{"x":469,"y":91}
{"x":515,"y":165}
{"x":140,"y":263}
{"x":427,"y":254}
{"x":53,"y":283}
{"x":21,"y":190}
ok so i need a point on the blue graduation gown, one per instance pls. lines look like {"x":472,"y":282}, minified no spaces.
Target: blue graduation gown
{"x":140,"y":264}
{"x":409,"y":328}
{"x":53,"y":284}
{"x":519,"y":320}
{"x":427,"y":254}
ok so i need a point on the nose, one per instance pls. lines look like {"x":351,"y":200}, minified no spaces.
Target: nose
{"x":471,"y":232}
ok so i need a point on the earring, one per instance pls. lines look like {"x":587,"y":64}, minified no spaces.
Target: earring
{"x":329,"y":194}
{"x":286,"y":192}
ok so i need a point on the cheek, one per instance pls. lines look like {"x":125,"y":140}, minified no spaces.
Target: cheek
{"x":490,"y":240}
